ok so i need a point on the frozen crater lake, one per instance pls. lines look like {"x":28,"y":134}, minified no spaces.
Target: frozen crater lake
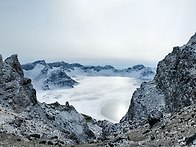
{"x":101,"y":97}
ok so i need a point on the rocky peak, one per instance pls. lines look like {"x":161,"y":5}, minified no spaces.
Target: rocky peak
{"x":1,"y":62}
{"x":42,"y":62}
{"x":15,"y":64}
{"x":16,"y":91}
{"x":59,"y":79}
{"x":138,"y":67}
{"x":192,"y":41}
{"x":172,"y":88}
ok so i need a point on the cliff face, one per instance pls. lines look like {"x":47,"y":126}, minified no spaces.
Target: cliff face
{"x":176,"y":77}
{"x":16,"y":91}
{"x":173,"y":87}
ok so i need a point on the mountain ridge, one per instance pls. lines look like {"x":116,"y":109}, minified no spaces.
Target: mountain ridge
{"x":47,"y":73}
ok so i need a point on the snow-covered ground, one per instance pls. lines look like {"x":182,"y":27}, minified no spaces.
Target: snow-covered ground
{"x":100,"y":97}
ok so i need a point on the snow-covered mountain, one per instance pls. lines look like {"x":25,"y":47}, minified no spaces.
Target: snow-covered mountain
{"x":48,"y":76}
{"x":61,"y":74}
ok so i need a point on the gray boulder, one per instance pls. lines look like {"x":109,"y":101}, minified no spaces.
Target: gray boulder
{"x":154,"y":117}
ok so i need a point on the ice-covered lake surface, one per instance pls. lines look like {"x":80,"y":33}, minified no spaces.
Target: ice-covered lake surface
{"x":103,"y":98}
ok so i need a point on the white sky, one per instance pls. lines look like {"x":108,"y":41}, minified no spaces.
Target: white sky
{"x":95,"y":31}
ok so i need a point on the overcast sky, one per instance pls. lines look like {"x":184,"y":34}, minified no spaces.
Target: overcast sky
{"x":95,"y":31}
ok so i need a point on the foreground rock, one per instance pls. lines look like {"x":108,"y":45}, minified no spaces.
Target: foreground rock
{"x":176,"y":129}
{"x":172,"y":88}
{"x":22,"y":115}
{"x":16,"y":91}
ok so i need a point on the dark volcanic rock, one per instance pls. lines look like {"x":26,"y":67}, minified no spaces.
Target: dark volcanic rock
{"x":173,"y":87}
{"x":154,"y":117}
{"x":58,"y":79}
{"x":189,"y":140}
{"x":35,"y":135}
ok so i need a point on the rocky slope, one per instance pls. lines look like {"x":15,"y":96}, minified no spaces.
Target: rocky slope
{"x":174,"y":130}
{"x":61,"y":74}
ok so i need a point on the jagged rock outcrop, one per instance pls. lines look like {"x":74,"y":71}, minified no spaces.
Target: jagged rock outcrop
{"x":173,"y":87}
{"x":22,"y":115}
{"x":16,"y":91}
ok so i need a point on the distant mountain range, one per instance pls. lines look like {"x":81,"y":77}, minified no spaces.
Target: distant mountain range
{"x":61,"y":74}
